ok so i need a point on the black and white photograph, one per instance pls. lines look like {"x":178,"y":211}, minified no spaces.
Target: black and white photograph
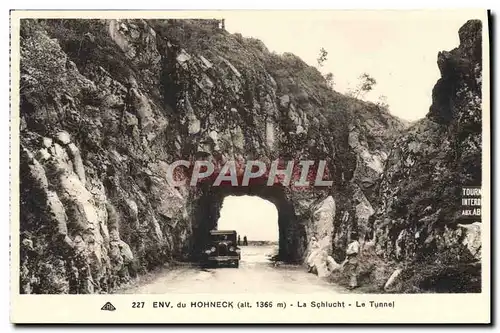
{"x":331,"y":153}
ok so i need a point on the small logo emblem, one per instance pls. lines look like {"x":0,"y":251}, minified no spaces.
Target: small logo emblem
{"x":108,"y":307}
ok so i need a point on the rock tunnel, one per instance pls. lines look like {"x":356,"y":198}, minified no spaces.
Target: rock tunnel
{"x":292,"y":234}
{"x":121,"y":112}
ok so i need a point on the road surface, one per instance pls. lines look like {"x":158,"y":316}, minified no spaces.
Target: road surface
{"x":256,"y":274}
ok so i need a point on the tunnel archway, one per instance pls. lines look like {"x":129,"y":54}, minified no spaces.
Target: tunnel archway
{"x":208,"y":204}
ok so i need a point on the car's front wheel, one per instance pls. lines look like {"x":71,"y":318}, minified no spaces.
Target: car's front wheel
{"x":237,"y":263}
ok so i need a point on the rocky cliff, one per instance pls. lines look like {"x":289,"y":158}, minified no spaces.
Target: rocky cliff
{"x":107,"y":105}
{"x":419,"y":221}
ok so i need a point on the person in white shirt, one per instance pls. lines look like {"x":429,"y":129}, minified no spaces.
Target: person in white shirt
{"x":314,"y":251}
{"x":351,"y":261}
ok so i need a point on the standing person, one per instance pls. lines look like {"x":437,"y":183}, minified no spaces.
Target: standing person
{"x":312,"y":254}
{"x":351,"y":261}
{"x":245,"y":240}
{"x":239,"y":240}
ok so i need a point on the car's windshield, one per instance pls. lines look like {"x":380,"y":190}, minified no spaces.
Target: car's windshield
{"x":219,"y":238}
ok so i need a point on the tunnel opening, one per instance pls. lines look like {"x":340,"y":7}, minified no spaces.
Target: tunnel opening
{"x":256,"y":222}
{"x":208,"y":203}
{"x":254,"y":218}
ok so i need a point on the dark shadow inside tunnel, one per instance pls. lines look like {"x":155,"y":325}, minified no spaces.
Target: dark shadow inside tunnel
{"x":207,"y":209}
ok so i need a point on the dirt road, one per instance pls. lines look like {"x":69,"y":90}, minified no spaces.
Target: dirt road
{"x":256,"y":274}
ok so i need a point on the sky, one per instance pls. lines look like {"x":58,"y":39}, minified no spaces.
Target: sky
{"x":398,"y":49}
{"x":251,"y":216}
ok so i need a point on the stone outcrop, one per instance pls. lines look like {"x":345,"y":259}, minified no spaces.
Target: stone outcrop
{"x":107,"y":105}
{"x":419,"y":215}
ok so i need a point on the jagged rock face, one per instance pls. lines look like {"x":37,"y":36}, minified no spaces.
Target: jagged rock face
{"x":107,"y":105}
{"x":419,"y":217}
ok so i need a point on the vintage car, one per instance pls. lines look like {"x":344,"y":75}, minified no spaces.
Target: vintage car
{"x":222,"y":248}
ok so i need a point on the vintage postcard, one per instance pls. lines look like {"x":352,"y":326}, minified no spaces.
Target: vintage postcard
{"x":250,"y":167}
